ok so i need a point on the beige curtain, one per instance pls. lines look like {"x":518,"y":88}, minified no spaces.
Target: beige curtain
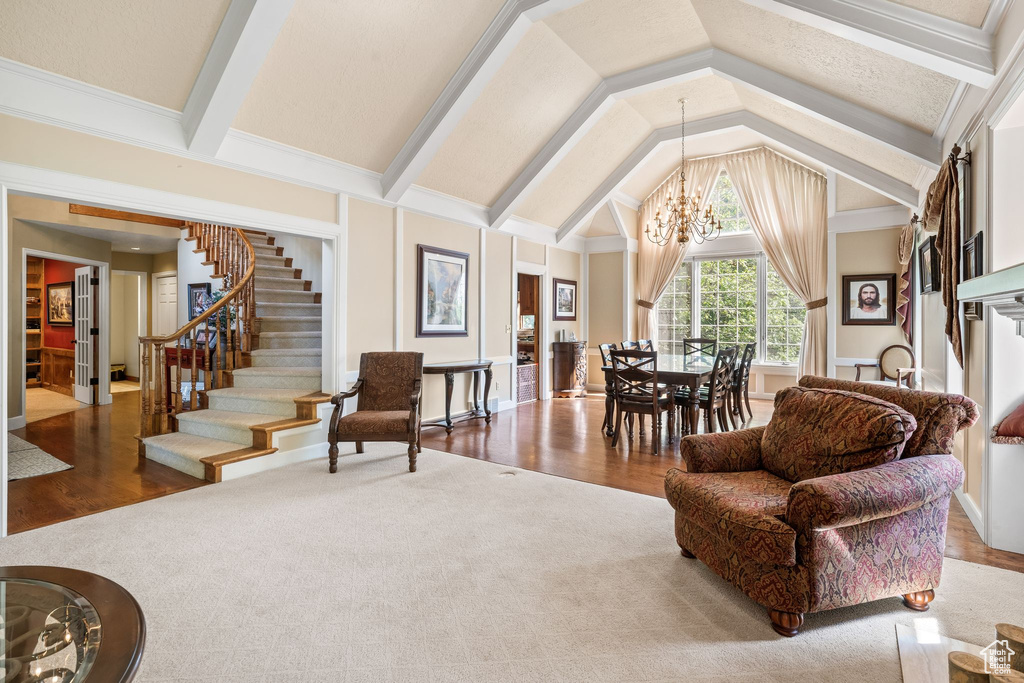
{"x":904,"y":298}
{"x":656,"y":266}
{"x":942,"y":213}
{"x":786,"y":205}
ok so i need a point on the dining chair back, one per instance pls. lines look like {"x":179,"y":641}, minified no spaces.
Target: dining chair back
{"x":645,"y":344}
{"x":700,"y":345}
{"x":630,"y":345}
{"x":741,"y":383}
{"x":636,"y":390}
{"x":606,"y":353}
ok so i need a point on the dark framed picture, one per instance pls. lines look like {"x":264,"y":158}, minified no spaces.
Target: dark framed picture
{"x":928,"y":263}
{"x":564,"y":295}
{"x":869,"y":299}
{"x":973,"y":260}
{"x":60,"y":304}
{"x":442,"y":299}
{"x":199,"y":294}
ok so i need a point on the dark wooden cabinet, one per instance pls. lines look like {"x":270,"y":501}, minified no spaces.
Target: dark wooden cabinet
{"x":570,"y":369}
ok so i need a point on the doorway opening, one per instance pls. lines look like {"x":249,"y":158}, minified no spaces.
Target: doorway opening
{"x":528,"y":338}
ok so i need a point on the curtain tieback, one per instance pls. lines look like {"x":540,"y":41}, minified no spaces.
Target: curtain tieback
{"x":644,"y":304}
{"x":817,"y":303}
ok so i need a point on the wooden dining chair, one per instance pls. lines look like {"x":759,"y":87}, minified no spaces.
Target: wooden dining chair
{"x":645,"y":344}
{"x":636,"y":390}
{"x":700,"y":345}
{"x":714,"y":397}
{"x":606,"y":361}
{"x":630,"y":346}
{"x":740,"y":390}
{"x":896,"y":365}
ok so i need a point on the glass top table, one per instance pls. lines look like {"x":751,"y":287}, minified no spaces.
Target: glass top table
{"x":64,"y":625}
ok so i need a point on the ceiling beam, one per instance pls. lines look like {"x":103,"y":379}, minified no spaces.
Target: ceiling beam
{"x":239,"y":49}
{"x":620,"y":225}
{"x":942,"y":45}
{"x":488,"y":55}
{"x":878,"y":181}
{"x":899,"y":137}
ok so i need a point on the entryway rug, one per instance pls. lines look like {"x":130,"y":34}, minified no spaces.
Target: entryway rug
{"x":25,"y":460}
{"x":463,"y":571}
{"x":41,"y":404}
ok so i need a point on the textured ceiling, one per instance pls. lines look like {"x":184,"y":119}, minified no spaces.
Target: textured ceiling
{"x":351,"y":80}
{"x":965,"y":11}
{"x":601,"y":224}
{"x":706,"y":96}
{"x":901,"y":90}
{"x":851,"y":195}
{"x":147,"y":49}
{"x":617,"y":35}
{"x":530,"y":97}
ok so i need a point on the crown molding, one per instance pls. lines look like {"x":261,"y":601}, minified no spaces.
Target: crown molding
{"x":244,"y":38}
{"x":875,"y":218}
{"x":942,"y":45}
{"x":502,"y":36}
{"x":610,"y":243}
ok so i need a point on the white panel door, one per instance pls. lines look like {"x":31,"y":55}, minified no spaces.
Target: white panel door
{"x":85,"y":368}
{"x":165,"y":318}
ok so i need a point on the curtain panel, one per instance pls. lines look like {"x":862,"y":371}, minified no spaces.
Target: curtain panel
{"x":942,"y":214}
{"x":905,"y":299}
{"x":787,"y":208}
{"x":656,"y":266}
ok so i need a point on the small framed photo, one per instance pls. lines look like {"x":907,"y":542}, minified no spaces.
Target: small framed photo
{"x":442,"y":300}
{"x":869,"y":299}
{"x":60,"y":304}
{"x":973,"y":260}
{"x":199,"y":294}
{"x":564,"y":293}
{"x":928,"y":261}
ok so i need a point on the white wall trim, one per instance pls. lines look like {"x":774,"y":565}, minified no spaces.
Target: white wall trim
{"x":875,"y":218}
{"x":972,"y":512}
{"x":832,"y":288}
{"x":5,"y":342}
{"x":485,"y":59}
{"x":399,"y":282}
{"x":942,"y":45}
{"x":620,"y":225}
{"x":245,"y":36}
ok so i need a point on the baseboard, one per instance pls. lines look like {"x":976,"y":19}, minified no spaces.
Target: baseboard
{"x":505,"y":405}
{"x":595,"y":388}
{"x":767,"y":397}
{"x":973,"y":513}
{"x":129,"y":378}
{"x":16,"y":422}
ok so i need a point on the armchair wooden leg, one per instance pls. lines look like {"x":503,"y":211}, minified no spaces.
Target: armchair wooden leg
{"x":919,"y":601}
{"x":332,"y":456}
{"x":686,"y":553}
{"x":419,"y":443}
{"x":359,"y":446}
{"x":412,"y":455}
{"x":786,"y":623}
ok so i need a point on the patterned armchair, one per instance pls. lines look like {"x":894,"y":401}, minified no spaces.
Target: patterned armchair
{"x":803,"y":516}
{"x":388,"y":388}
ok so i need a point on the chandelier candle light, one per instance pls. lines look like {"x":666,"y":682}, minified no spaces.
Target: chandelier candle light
{"x":681,"y":216}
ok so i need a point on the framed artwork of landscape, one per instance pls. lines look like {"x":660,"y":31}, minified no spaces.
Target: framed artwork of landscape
{"x":442,"y":300}
{"x":869,"y":299}
{"x":60,"y":304}
{"x":564,"y":293}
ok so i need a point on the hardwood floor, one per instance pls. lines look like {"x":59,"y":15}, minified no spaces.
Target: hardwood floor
{"x":561,"y":437}
{"x":108,"y":473}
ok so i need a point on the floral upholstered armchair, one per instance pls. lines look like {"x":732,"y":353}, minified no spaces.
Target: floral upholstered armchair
{"x":388,"y":388}
{"x":841,"y":499}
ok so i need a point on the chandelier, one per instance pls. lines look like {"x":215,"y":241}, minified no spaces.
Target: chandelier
{"x":681,"y":216}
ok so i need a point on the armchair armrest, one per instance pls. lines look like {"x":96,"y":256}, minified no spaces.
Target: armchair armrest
{"x":338,"y":401}
{"x":414,"y":402}
{"x":736,"y":451}
{"x":851,"y":498}
{"x":860,"y":366}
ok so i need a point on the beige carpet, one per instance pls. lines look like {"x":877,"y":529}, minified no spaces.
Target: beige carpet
{"x":43,"y":403}
{"x":121,"y":387}
{"x":464,"y":571}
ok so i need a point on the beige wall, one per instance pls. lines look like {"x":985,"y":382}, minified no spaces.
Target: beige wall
{"x":861,"y":253}
{"x":605,"y":301}
{"x":371,"y":279}
{"x":531,"y":252}
{"x":499,"y":322}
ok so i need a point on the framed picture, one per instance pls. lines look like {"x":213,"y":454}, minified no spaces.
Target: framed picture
{"x":973,"y":260}
{"x":442,"y":300}
{"x":869,"y":299}
{"x":564,"y":293}
{"x":60,"y":304}
{"x":198,"y":298}
{"x":928,"y":261}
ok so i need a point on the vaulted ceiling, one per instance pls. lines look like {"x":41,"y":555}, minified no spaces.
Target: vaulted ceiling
{"x":530,"y":108}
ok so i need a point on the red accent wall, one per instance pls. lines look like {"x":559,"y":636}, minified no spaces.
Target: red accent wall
{"x":57,"y":271}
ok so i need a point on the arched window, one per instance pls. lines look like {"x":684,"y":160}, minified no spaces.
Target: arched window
{"x":727,"y":206}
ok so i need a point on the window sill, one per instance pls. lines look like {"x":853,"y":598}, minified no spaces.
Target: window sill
{"x":776,"y":368}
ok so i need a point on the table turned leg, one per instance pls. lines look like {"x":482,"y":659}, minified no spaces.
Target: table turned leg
{"x":476,"y":392}
{"x":488,"y":375}
{"x":609,"y":407}
{"x":449,"y":385}
{"x":693,"y":406}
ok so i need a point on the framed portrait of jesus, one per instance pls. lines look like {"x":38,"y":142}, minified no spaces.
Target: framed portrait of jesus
{"x":869,"y":299}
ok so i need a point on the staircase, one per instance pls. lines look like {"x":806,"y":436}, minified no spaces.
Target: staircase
{"x":270,"y":382}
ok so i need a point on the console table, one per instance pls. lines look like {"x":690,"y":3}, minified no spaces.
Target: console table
{"x":449,"y":370}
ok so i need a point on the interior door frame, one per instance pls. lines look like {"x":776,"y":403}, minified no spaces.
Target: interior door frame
{"x":155,"y":290}
{"x":144,"y":302}
{"x":105,"y":397}
{"x":545,"y":355}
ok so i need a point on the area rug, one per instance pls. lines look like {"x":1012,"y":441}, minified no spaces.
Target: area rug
{"x":43,"y":403}
{"x":463,"y":571}
{"x":25,"y":460}
{"x":123,"y":386}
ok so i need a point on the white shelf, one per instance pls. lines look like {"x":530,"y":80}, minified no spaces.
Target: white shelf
{"x":1002,"y":290}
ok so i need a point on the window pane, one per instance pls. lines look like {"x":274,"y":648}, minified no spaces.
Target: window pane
{"x":727,"y":207}
{"x":673,"y":311}
{"x":728,"y":293}
{"x":786,"y":316}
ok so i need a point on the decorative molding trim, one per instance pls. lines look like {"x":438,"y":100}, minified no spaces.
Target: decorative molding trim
{"x":245,"y":36}
{"x":620,"y":225}
{"x":502,"y":36}
{"x":942,"y":45}
{"x":399,"y":266}
{"x":16,"y":422}
{"x":851,"y":362}
{"x":875,"y":218}
{"x":5,"y":369}
{"x":611,"y":243}
{"x":904,"y":139}
{"x":972,"y":511}
{"x":851,"y":168}
{"x":627,"y":200}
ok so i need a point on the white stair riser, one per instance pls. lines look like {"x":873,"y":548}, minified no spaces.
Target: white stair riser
{"x":178,"y":462}
{"x":290,"y":283}
{"x":241,"y":404}
{"x":284,"y":296}
{"x":291,"y":325}
{"x":257,"y":381}
{"x":291,"y":310}
{"x":239,"y":434}
{"x":274,"y":271}
{"x":289,"y":341}
{"x":286,"y":362}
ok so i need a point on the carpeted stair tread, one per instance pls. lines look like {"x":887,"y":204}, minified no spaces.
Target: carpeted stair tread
{"x":286,"y":352}
{"x":283,"y":335}
{"x":279,"y":283}
{"x":184,"y":452}
{"x":281,"y":371}
{"x":227,"y":417}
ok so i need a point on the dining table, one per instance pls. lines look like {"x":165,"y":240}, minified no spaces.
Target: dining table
{"x":675,"y":371}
